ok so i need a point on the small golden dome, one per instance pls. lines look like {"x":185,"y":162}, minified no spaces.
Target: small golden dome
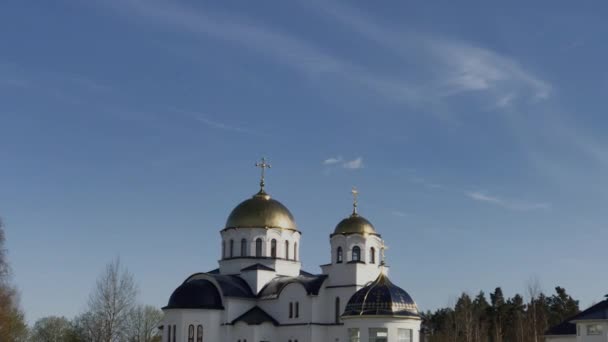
{"x":355,"y":224}
{"x":261,"y":211}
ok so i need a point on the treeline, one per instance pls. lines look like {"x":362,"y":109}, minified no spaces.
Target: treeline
{"x":475,"y":319}
{"x":112,"y":313}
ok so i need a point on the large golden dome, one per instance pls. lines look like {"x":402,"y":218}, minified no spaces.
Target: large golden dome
{"x":355,"y":224}
{"x":261,"y":211}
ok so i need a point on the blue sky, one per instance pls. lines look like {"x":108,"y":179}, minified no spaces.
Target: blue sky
{"x":474,"y":132}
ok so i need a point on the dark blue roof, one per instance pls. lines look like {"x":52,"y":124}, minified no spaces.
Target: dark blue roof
{"x":257,"y":267}
{"x":255,"y":316}
{"x":231,"y":285}
{"x":196,"y":294}
{"x":598,"y":311}
{"x":381,"y":297}
{"x":311,"y":283}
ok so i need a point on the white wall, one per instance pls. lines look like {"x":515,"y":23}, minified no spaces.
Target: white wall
{"x":392,"y":324}
{"x":582,"y":329}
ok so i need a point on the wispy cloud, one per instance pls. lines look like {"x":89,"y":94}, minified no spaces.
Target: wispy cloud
{"x":333,"y":160}
{"x":398,"y":213}
{"x":339,"y":161}
{"x":452,"y":66}
{"x":511,"y":204}
{"x":213,"y":123}
{"x":354,"y":164}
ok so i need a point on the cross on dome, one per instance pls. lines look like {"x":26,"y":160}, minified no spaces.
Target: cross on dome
{"x":262,"y":164}
{"x":355,"y":193}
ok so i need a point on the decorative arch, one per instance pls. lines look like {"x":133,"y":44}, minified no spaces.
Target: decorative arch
{"x":356,"y":253}
{"x":258,"y":247}
{"x":273,"y":248}
{"x":199,"y":333}
{"x":191,"y":333}
{"x":243,"y":247}
{"x":286,"y":249}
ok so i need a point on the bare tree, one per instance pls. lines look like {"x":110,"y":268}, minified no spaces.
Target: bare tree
{"x":51,"y":329}
{"x":112,"y":300}
{"x":143,"y":323}
{"x":534,"y":290}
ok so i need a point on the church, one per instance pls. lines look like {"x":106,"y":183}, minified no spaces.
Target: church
{"x":260,"y":293}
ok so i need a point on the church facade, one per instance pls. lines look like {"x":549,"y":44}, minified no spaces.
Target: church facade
{"x":260,"y":293}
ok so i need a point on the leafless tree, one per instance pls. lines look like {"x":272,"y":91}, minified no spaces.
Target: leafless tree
{"x":112,"y":300}
{"x":143,"y":323}
{"x":534,"y":290}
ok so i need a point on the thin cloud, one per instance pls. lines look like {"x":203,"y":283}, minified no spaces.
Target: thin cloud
{"x":398,"y":213}
{"x":518,"y":205}
{"x":332,"y":160}
{"x":457,"y":67}
{"x":353,"y":164}
{"x":209,"y":122}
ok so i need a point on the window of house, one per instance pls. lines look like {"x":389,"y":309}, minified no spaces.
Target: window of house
{"x":169,"y":333}
{"x":295,"y":251}
{"x":594,"y":329}
{"x":356,"y":253}
{"x":273,"y":248}
{"x":290,"y":309}
{"x":174,"y":332}
{"x":404,"y":335}
{"x":372,"y":255}
{"x":297,"y":309}
{"x":191,"y":333}
{"x":354,"y":335}
{"x":287,"y":250}
{"x":337,"y":310}
{"x":339,"y":255}
{"x":378,"y":334}
{"x":223,"y":249}
{"x":199,"y":333}
{"x":258,"y":247}
{"x":231,"y":248}
{"x":243,"y":247}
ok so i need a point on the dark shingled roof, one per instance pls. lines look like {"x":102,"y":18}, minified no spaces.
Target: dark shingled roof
{"x":564,"y":328}
{"x":311,"y":284}
{"x":256,"y":267}
{"x":598,"y":311}
{"x":231,"y":285}
{"x":196,"y":294}
{"x":255,"y":316}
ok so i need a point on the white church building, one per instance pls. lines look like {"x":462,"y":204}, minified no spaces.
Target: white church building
{"x":260,"y":293}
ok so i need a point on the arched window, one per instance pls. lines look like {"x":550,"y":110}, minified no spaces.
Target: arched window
{"x":199,"y":333}
{"x":258,"y":247}
{"x":231,"y":248}
{"x":372,"y":255}
{"x":297,"y":309}
{"x":339,"y":255}
{"x":287,"y":250}
{"x":356,"y":253}
{"x":273,"y":248}
{"x":191,"y":333}
{"x":174,"y":332}
{"x":295,"y":251}
{"x":290,"y":309}
{"x":169,"y":334}
{"x":223,"y":249}
{"x":243,"y":247}
{"x":337,"y":312}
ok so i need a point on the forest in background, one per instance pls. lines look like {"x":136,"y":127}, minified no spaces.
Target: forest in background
{"x":500,"y":319}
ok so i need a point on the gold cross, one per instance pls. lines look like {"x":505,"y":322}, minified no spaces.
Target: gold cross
{"x":263,"y":165}
{"x":355,"y":194}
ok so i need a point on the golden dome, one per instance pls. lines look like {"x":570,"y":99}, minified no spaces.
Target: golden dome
{"x":261,"y":211}
{"x":355,"y":224}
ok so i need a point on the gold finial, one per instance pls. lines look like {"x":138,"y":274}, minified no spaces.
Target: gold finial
{"x":262,"y":165}
{"x":355,"y":194}
{"x":383,"y":248}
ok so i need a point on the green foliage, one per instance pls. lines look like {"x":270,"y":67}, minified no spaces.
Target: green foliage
{"x":500,"y":320}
